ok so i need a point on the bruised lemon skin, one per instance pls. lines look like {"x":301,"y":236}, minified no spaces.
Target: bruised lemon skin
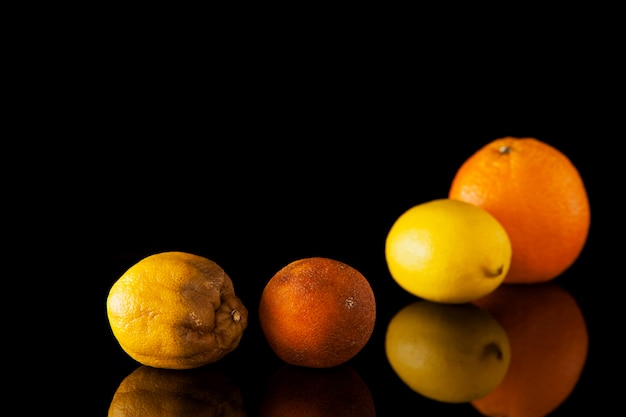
{"x":176,"y":310}
{"x":452,"y":353}
{"x":448,"y":251}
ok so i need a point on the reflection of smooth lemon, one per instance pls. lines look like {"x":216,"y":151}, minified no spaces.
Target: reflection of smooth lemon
{"x":448,"y":251}
{"x":449,"y":353}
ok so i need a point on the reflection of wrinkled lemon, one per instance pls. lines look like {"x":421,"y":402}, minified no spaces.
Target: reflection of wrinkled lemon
{"x":449,"y":353}
{"x":157,"y":392}
{"x":176,"y":310}
{"x":448,"y":251}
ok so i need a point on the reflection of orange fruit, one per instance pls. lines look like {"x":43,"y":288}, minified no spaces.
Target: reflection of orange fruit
{"x":165,"y":392}
{"x":549,"y":342}
{"x":176,"y":310}
{"x":317,"y":312}
{"x":305,"y":392}
{"x":539,"y":197}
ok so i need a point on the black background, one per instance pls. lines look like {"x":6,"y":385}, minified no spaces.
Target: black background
{"x":324,"y":181}
{"x":267,"y":155}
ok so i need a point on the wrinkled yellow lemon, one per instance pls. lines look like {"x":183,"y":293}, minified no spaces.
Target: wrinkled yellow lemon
{"x":176,"y":310}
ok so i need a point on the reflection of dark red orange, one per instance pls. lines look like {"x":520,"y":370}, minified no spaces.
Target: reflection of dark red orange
{"x":294,"y":391}
{"x":549,"y":343}
{"x":165,"y":392}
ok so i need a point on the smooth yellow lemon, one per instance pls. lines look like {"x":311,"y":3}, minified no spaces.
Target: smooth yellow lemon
{"x":448,"y":251}
{"x":446,"y":352}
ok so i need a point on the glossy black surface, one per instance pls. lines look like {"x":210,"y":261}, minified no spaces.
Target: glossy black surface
{"x":253,"y":204}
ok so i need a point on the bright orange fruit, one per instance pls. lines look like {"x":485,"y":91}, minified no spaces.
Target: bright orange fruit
{"x":538,"y":195}
{"x":549,"y":344}
{"x":317,"y":312}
